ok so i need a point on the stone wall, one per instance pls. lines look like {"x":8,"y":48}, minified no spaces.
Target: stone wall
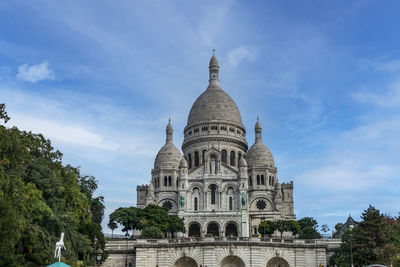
{"x":225,"y":252}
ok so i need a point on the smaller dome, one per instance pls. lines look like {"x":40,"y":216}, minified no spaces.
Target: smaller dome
{"x":259,"y":155}
{"x":183,"y":163}
{"x":168,"y":156}
{"x":242,"y":162}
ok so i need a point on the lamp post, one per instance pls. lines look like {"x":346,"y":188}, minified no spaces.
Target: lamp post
{"x":351,"y":245}
{"x":95,"y":245}
{"x":99,"y":255}
{"x":126,"y":249}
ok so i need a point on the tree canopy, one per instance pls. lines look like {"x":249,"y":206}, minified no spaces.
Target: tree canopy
{"x":40,"y":198}
{"x":376,"y":239}
{"x":148,"y":219}
{"x":308,"y":228}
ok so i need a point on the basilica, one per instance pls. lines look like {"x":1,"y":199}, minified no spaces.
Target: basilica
{"x":222,"y":190}
{"x":219,"y":186}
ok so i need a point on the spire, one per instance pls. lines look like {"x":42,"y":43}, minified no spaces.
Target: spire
{"x":258,"y":130}
{"x":169,"y":131}
{"x":214,"y":69}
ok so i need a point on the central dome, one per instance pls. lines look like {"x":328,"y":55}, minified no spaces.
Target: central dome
{"x":214,"y":104}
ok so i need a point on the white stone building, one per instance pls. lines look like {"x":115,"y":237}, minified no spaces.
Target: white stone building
{"x":219,"y":186}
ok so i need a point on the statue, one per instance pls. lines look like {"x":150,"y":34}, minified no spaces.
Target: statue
{"x":59,"y":247}
{"x":243,"y":199}
{"x":181,"y":201}
{"x":212,"y":169}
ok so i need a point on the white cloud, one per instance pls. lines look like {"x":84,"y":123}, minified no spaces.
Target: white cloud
{"x":390,"y":66}
{"x":35,"y":73}
{"x":63,"y":132}
{"x":388,"y":99}
{"x":237,"y":55}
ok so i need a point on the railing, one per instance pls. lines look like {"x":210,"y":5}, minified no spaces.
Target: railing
{"x":120,"y":244}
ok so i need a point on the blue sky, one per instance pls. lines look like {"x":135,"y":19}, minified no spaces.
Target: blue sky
{"x":101,"y":79}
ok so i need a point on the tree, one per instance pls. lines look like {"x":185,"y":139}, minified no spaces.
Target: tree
{"x":151,"y":217}
{"x":39,"y":199}
{"x":387,"y":254}
{"x":325,"y":228}
{"x":308,"y":228}
{"x":3,"y":113}
{"x":152,"y":232}
{"x":112,"y":225}
{"x":129,"y":218}
{"x":369,"y":241}
{"x":265,"y":228}
{"x":293,"y":226}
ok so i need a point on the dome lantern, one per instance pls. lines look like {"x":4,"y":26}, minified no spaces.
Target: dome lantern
{"x":214,"y":69}
{"x":169,"y":131}
{"x":258,"y":130}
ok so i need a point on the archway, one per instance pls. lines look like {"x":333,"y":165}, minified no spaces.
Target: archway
{"x":231,"y":229}
{"x":232,"y":261}
{"x":277,"y":262}
{"x":213,"y":229}
{"x":185,"y":262}
{"x":194,"y":230}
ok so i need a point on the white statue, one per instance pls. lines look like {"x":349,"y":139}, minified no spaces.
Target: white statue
{"x":59,"y":246}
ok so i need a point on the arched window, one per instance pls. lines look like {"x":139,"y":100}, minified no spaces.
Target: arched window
{"x":196,"y":159}
{"x":190,"y":161}
{"x":262,"y":180}
{"x":250,"y":181}
{"x":239,"y":157}
{"x":203,"y":155}
{"x":224,"y":156}
{"x":255,"y":230}
{"x":165,"y":181}
{"x":195,"y":203}
{"x":213,"y":189}
{"x":273,"y":181}
{"x":258,"y":179}
{"x":230,"y":203}
{"x":177,"y":184}
{"x":233,"y":158}
{"x":169,"y":181}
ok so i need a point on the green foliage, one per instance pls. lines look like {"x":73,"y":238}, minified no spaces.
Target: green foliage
{"x":151,"y":217}
{"x":39,"y":199}
{"x":265,"y":228}
{"x":293,"y":226}
{"x":152,"y":232}
{"x":112,"y":225}
{"x":3,"y":113}
{"x":268,"y":227}
{"x":373,"y":240}
{"x":308,"y":228}
{"x":129,"y":218}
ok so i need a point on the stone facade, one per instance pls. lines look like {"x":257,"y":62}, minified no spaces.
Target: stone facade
{"x":218,"y":185}
{"x":254,"y":252}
